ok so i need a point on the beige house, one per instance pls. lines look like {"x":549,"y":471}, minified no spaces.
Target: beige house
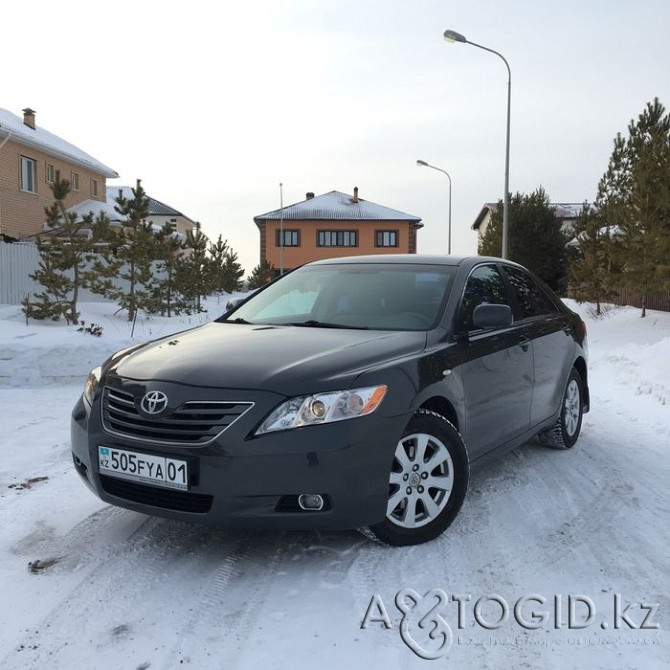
{"x":29,"y":159}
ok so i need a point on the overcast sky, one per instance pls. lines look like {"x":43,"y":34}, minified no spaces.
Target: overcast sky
{"x":214,"y":104}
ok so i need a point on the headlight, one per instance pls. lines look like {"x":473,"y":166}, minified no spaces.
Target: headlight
{"x":323,"y":408}
{"x":92,"y":384}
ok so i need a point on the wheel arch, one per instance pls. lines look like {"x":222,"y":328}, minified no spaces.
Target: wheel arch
{"x":580,"y":366}
{"x":440,"y":405}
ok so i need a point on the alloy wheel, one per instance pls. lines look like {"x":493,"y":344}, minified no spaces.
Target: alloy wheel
{"x":420,"y":482}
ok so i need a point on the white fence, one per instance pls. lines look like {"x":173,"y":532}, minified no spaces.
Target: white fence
{"x":17,"y":262}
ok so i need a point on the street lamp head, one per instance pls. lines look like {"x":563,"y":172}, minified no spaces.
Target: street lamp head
{"x":423,"y":163}
{"x":453,"y":36}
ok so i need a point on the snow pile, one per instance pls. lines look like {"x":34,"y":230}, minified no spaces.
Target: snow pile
{"x":44,"y":352}
{"x":631,"y":351}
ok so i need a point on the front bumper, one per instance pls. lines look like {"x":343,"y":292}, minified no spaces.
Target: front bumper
{"x":243,"y":481}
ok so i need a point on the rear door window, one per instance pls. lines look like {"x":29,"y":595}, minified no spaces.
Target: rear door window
{"x":532,"y":300}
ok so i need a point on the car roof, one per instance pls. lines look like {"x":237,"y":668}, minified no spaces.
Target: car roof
{"x":410,"y":259}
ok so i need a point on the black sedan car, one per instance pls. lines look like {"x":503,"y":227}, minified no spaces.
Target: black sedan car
{"x":349,"y":393}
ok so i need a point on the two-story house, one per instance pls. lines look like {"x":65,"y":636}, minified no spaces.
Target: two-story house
{"x":29,"y":159}
{"x":331,"y":225}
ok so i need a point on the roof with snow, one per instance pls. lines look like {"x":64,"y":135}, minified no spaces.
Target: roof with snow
{"x":337,"y":206}
{"x":97,"y":208}
{"x":42,"y":140}
{"x":156,"y":207}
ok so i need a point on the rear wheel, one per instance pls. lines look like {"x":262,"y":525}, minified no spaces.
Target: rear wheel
{"x":427,"y":482}
{"x":566,"y":431}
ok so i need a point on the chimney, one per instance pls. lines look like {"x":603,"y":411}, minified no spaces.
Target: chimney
{"x":355,"y":198}
{"x":29,"y":117}
{"x":309,"y":195}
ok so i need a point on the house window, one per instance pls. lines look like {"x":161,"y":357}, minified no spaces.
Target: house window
{"x":49,"y":173}
{"x":291,"y":238}
{"x":74,"y":182}
{"x":337,"y":238}
{"x":94,"y":187}
{"x":172,"y":224}
{"x":386,"y":238}
{"x":28,"y":174}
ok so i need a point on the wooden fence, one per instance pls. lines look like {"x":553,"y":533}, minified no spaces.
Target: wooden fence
{"x":660,"y":301}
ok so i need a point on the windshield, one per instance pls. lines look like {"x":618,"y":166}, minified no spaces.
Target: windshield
{"x":356,"y":295}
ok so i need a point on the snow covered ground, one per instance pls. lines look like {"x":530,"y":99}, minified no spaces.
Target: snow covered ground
{"x":86,"y":585}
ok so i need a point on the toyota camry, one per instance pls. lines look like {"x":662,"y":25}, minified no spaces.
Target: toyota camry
{"x":349,"y":393}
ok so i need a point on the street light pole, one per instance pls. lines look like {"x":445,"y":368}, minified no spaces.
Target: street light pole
{"x":453,"y":36}
{"x":424,"y":164}
{"x":281,"y":228}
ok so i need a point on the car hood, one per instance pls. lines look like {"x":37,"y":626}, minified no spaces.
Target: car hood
{"x":290,"y":360}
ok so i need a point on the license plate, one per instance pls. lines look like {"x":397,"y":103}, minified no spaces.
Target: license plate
{"x":155,"y":470}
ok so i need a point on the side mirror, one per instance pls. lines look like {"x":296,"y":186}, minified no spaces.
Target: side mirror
{"x":234,"y":302}
{"x":492,"y":316}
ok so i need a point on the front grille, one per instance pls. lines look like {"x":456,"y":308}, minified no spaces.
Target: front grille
{"x":194,"y":422}
{"x":178,"y":501}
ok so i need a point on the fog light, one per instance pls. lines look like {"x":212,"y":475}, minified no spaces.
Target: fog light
{"x":311,"y":502}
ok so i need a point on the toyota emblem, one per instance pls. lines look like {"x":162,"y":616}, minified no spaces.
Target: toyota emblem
{"x":154,"y":402}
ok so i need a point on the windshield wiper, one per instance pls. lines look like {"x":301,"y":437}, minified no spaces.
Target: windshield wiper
{"x":312,"y":323}
{"x":239,"y":319}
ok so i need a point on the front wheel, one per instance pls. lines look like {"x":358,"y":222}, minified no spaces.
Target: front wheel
{"x":427,"y":483}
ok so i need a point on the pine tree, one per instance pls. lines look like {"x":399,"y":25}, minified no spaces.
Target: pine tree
{"x":634,"y":198}
{"x":590,"y":269}
{"x":53,"y":302}
{"x":233,"y":272}
{"x":193,"y":269}
{"x":261,"y":275}
{"x":65,"y":255}
{"x":165,"y":293}
{"x":535,"y":237}
{"x":136,"y":251}
{"x":225,"y":272}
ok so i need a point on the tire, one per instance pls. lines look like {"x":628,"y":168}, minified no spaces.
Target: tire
{"x":566,"y":431}
{"x":430,"y":451}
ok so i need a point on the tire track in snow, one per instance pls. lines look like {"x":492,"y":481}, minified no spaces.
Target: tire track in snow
{"x":116,"y":602}
{"x":274,"y":577}
{"x":229,"y":602}
{"x":585,"y":493}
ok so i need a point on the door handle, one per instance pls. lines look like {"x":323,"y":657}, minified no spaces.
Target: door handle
{"x":524,"y":343}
